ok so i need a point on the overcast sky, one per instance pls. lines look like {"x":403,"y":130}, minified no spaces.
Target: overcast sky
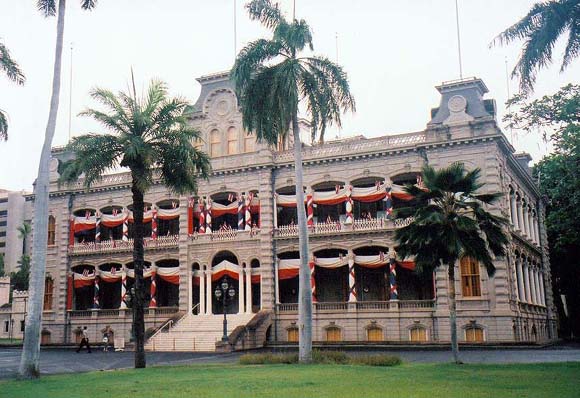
{"x":395,"y":52}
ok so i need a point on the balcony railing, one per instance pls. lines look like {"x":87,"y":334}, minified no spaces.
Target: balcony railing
{"x":121,"y":313}
{"x":393,"y":305}
{"x":331,"y":228}
{"x":225,"y":235}
{"x":123,"y":245}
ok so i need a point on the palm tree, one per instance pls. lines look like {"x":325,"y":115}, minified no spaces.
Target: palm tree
{"x":23,"y":232}
{"x":540,"y":29}
{"x":271,"y":81}
{"x":152,"y":139}
{"x":450,"y":221}
{"x":31,"y":347}
{"x":13,"y":72}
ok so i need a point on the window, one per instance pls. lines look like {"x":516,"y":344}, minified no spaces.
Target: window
{"x":22,"y":326}
{"x":2,"y":223}
{"x":333,"y":334}
{"x":3,"y":200}
{"x":470,"y":281}
{"x":293,"y":335}
{"x":2,"y":244}
{"x":51,"y":230}
{"x":418,"y":334}
{"x":249,"y":142}
{"x":48,"y":290}
{"x":2,"y":233}
{"x":232,"y":141}
{"x":474,"y":334}
{"x":215,"y":143}
{"x":3,"y":213}
{"x":6,"y":326}
{"x":375,"y":334}
{"x":45,"y":337}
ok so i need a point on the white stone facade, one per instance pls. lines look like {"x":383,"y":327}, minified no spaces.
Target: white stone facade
{"x":514,"y":305}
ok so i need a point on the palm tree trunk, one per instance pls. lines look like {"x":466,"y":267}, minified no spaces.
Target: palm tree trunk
{"x":29,"y":361}
{"x":305,"y":301}
{"x":453,"y":312}
{"x":138,"y":311}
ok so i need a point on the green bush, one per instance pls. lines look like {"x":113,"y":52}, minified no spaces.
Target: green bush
{"x":376,"y":360}
{"x":330,"y":357}
{"x":263,"y":359}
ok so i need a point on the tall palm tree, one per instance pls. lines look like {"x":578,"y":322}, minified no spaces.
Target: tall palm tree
{"x":151,"y":137}
{"x":271,"y":82}
{"x":31,"y":347}
{"x":23,"y":232}
{"x":13,"y":72}
{"x":540,"y":29}
{"x":450,"y":221}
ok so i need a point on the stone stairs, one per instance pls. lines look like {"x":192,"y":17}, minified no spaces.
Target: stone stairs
{"x":195,"y":333}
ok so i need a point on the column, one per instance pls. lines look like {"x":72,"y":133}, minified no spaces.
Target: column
{"x":202,"y":215}
{"x":527,"y":283}
{"x":520,"y":221}
{"x":96,"y":304}
{"x":537,"y":229}
{"x":247,"y":211}
{"x":542,"y":289}
{"x":537,"y":285}
{"x":125,"y":225}
{"x":525,"y":227}
{"x":240,"y":200}
{"x":153,"y":302}
{"x":351,"y":279}
{"x":312,"y":266}
{"x":275,"y":215}
{"x":153,"y":222}
{"x":123,"y":304}
{"x":241,"y":290}
{"x":309,"y":208}
{"x":530,"y":225}
{"x":277,"y":279}
{"x":208,"y":292}
{"x":208,"y":218}
{"x":394,"y":295}
{"x":201,"y":291}
{"x":249,"y":290}
{"x":190,"y":291}
{"x":512,"y":208}
{"x":521,"y":290}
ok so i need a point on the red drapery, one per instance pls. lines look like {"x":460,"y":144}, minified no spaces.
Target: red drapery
{"x":69,"y":292}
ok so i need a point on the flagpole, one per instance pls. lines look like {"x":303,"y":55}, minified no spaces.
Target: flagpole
{"x":235,"y":34}
{"x":458,"y":39}
{"x":70,"y":94}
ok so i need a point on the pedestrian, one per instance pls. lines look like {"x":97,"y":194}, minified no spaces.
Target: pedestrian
{"x":84,"y":340}
{"x":107,"y":335}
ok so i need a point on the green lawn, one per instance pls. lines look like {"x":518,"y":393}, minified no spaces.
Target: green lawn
{"x":10,"y":341}
{"x":334,"y":381}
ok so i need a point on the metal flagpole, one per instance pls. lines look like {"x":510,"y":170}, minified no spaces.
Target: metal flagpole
{"x":70,"y":94}
{"x":235,"y":34}
{"x":458,"y":39}
{"x":507,"y":83}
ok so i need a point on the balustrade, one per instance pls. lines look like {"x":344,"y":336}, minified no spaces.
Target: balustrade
{"x":122,"y":245}
{"x":366,"y":224}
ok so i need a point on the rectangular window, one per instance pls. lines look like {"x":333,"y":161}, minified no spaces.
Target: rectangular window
{"x":2,"y":233}
{"x":6,"y":326}
{"x":474,"y":335}
{"x":2,"y":223}
{"x":470,"y":281}
{"x":418,"y":334}
{"x":215,"y":144}
{"x":3,"y":213}
{"x":232,"y":141}
{"x":249,"y":142}
{"x":3,"y":200}
{"x":2,"y":244}
{"x":48,"y":290}
{"x":22,"y":326}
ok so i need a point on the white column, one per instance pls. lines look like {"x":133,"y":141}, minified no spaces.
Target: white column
{"x":208,"y":292}
{"x":530,"y":225}
{"x":190,"y":291}
{"x":519,"y":220}
{"x":537,"y":229}
{"x":248,"y":290}
{"x":275,"y":213}
{"x":241,"y":290}
{"x":521,"y":290}
{"x":537,"y":283}
{"x":512,"y":208}
{"x":525,"y":227}
{"x":532,"y":286}
{"x":202,"y":292}
{"x":276,"y":279}
{"x":527,"y":283}
{"x":542,"y":289}
{"x":351,"y":279}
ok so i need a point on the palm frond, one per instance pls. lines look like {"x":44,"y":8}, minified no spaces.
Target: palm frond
{"x":88,"y":4}
{"x":573,"y":46}
{"x":264,"y":11}
{"x":3,"y":126}
{"x":255,"y":53}
{"x":10,"y":67}
{"x":46,"y":7}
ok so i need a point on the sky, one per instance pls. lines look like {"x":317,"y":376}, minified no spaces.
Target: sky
{"x":395,"y":53}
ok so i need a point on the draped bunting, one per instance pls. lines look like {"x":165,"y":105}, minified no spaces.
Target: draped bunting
{"x":153,"y":291}
{"x":83,"y":280}
{"x":110,"y":220}
{"x":69,"y":292}
{"x":146,"y":273}
{"x":169,"y":274}
{"x":79,"y":224}
{"x":289,"y":268}
{"x":367,"y":195}
{"x":218,"y":209}
{"x":190,"y":215}
{"x":226,"y":268}
{"x":111,"y":276}
{"x":168,"y":214}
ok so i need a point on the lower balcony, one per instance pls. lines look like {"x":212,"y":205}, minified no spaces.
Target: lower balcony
{"x":363,"y":306}
{"x":337,"y":227}
{"x":121,"y":313}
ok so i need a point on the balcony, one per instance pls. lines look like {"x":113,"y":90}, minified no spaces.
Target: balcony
{"x":227,"y":235}
{"x":364,"y":306}
{"x":121,"y":313}
{"x":333,"y":228}
{"x":113,"y":246}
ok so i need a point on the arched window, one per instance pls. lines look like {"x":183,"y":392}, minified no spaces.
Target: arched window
{"x":232,"y":141}
{"x":292,"y":335}
{"x":51,"y":230}
{"x":249,"y":142}
{"x":333,"y":334}
{"x":474,"y":334}
{"x":418,"y":334}
{"x":470,"y":281}
{"x":375,"y":333}
{"x":48,"y":291}
{"x":215,"y":143}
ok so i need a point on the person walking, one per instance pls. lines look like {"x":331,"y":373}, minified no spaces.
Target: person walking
{"x":107,"y":335}
{"x":84,"y":341}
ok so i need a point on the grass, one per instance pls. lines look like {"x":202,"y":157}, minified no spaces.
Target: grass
{"x":332,"y":381}
{"x":321,"y":357}
{"x":4,"y":341}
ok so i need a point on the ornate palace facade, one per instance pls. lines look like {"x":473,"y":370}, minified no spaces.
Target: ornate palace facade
{"x":240,"y":226}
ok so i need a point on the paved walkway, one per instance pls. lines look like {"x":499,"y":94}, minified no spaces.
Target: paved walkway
{"x":54,"y":361}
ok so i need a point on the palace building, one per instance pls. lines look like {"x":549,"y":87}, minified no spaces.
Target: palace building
{"x":240,"y":228}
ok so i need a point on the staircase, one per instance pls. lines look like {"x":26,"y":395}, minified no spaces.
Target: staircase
{"x":194,"y":332}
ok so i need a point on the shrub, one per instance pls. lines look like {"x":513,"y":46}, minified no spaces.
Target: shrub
{"x":263,"y":359}
{"x":376,"y":360}
{"x":329,"y":357}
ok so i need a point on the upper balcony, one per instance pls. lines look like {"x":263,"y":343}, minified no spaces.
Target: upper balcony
{"x":120,"y":245}
{"x":340,"y":227}
{"x":226,"y":235}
